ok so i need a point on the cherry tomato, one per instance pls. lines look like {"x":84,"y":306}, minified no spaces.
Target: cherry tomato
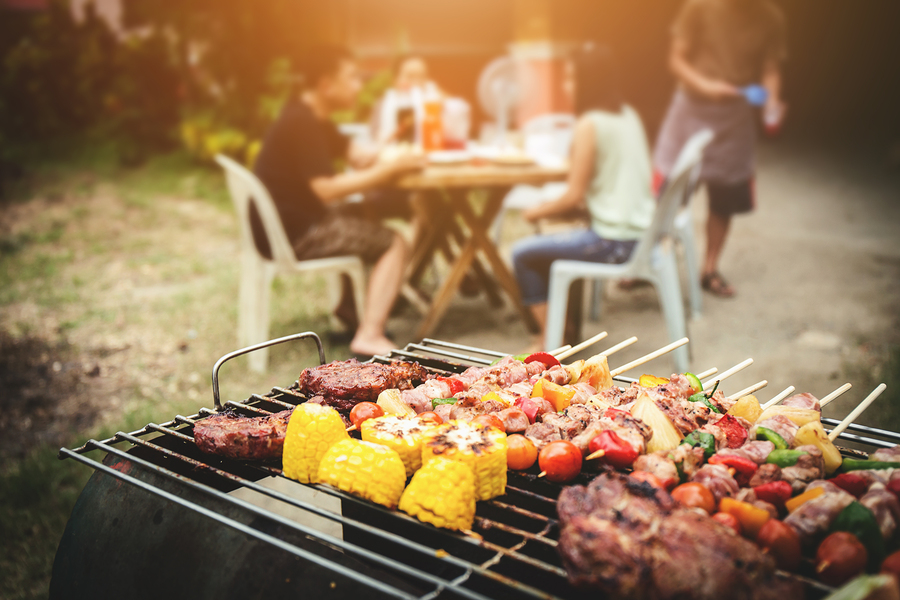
{"x":520,"y":452}
{"x":561,"y":460}
{"x":365,"y":411}
{"x":840,"y":558}
{"x":781,"y":541}
{"x":891,"y":565}
{"x":431,"y":417}
{"x":695,"y":495}
{"x":489,"y":421}
{"x":645,"y":477}
{"x":729,"y":520}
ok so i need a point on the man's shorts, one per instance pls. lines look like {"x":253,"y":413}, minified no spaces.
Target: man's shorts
{"x":728,"y":199}
{"x":354,"y":229}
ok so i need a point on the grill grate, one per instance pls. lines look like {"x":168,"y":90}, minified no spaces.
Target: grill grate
{"x":511,"y":555}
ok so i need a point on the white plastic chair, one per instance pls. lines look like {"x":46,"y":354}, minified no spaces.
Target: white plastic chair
{"x":653,"y":258}
{"x":547,"y":141}
{"x":258,"y":272}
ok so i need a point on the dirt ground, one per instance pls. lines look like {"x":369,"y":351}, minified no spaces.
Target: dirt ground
{"x":113,"y":309}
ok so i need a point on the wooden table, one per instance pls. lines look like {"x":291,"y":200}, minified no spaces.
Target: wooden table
{"x":446,"y":189}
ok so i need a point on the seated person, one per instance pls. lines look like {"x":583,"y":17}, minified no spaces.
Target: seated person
{"x":609,"y":178}
{"x":401,"y":108}
{"x":297,"y":165}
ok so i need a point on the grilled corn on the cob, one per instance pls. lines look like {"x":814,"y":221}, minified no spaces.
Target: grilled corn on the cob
{"x":482,"y":448}
{"x":402,"y":434}
{"x":312,"y":430}
{"x":372,"y":471}
{"x":442,"y":493}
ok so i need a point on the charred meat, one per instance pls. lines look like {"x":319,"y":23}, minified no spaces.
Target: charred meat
{"x":344,"y":384}
{"x":233,"y":436}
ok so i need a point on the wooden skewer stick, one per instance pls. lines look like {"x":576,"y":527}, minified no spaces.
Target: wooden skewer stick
{"x":560,"y":349}
{"x":781,"y":396}
{"x":728,"y":373}
{"x":619,"y":346}
{"x":597,"y":454}
{"x":585,"y":344}
{"x":841,"y":390}
{"x":351,"y":428}
{"x":854,"y":414}
{"x":648,"y":357}
{"x":542,"y":473}
{"x":749,"y":390}
{"x":707,"y":373}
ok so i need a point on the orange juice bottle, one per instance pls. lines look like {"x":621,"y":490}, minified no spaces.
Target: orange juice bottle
{"x":432,"y":123}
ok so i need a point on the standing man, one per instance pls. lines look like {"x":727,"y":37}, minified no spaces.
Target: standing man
{"x":718,"y":48}
{"x":297,"y":166}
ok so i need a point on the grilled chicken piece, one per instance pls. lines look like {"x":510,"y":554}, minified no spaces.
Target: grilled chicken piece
{"x":766,"y":473}
{"x":755,"y":450}
{"x":718,"y":480}
{"x":514,"y":420}
{"x":886,"y":508}
{"x":781,"y":425}
{"x":809,"y":467}
{"x":805,"y":400}
{"x":813,"y":518}
{"x":887,"y":454}
{"x":629,"y":540}
{"x":233,"y":436}
{"x":343,"y":384}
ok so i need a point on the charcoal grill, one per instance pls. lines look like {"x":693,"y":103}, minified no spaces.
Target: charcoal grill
{"x":159,"y":518}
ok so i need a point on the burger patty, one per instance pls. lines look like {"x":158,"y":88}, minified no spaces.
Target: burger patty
{"x":233,"y":436}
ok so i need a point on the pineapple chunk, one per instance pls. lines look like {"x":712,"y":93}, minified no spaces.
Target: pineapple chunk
{"x":392,"y":404}
{"x":596,"y":373}
{"x":814,"y":434}
{"x":665,"y":435}
{"x":800,"y":416}
{"x":746,"y":408}
{"x":574,"y":370}
{"x":651,"y":380}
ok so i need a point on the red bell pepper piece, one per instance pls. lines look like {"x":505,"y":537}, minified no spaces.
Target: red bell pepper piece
{"x":893,"y":486}
{"x":853,"y":483}
{"x":744,"y":468}
{"x":735,"y":434}
{"x":529,"y":407}
{"x":774,"y":492}
{"x":619,"y":453}
{"x":456,"y":386}
{"x":544,"y":357}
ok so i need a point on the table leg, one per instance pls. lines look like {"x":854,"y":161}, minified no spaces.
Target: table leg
{"x":445,"y":294}
{"x":478,"y":226}
{"x":486,"y":282}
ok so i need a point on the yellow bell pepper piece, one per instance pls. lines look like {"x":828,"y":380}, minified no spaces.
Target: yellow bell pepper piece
{"x":558,"y":395}
{"x":798,"y":501}
{"x":651,"y":380}
{"x":538,"y":390}
{"x":496,"y":397}
{"x":750,"y":517}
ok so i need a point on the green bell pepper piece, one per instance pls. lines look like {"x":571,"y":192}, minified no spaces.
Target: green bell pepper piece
{"x":438,"y":401}
{"x":704,"y":398}
{"x":694,"y":381}
{"x":785,"y":458}
{"x":851,"y":464}
{"x":701,"y":439}
{"x":764,"y":433}
{"x":861,"y":522}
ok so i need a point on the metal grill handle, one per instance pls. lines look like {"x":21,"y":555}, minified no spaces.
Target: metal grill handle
{"x":260,"y":346}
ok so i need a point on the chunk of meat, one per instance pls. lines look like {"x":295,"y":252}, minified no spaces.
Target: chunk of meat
{"x":813,"y":518}
{"x":886,"y":508}
{"x":514,"y":420}
{"x":542,"y":433}
{"x":346,"y":383}
{"x":755,"y":450}
{"x":809,"y":467}
{"x":887,"y":454}
{"x":234,"y":436}
{"x":718,"y":480}
{"x":766,"y":473}
{"x":805,"y":400}
{"x":660,"y":465}
{"x":780,"y":425}
{"x":443,"y":411}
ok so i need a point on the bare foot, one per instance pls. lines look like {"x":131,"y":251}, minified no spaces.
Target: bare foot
{"x":371,"y":345}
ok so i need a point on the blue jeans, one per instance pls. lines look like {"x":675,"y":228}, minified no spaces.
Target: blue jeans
{"x":533,"y":256}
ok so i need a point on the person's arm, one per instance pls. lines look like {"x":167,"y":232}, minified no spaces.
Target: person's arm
{"x":581,"y":170}
{"x":774,"y":110}
{"x":693,"y":79}
{"x":336,"y":187}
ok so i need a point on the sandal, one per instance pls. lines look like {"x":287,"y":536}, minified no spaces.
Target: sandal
{"x":716,"y":285}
